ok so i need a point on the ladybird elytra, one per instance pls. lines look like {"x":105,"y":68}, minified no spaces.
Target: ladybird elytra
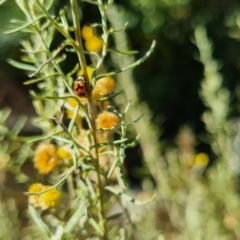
{"x":79,"y":87}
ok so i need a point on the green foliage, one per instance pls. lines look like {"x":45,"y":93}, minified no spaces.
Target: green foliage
{"x":186,"y":193}
{"x":89,"y":161}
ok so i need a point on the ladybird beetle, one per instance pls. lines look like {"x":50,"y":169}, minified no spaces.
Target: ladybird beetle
{"x":79,"y":86}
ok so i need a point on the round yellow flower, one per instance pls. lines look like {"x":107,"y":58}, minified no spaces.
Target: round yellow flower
{"x":107,"y":120}
{"x":87,"y":32}
{"x":46,"y":158}
{"x":50,"y":199}
{"x":94,"y":44}
{"x":103,"y":87}
{"x":46,"y":200}
{"x":201,"y":159}
{"x":34,"y":199}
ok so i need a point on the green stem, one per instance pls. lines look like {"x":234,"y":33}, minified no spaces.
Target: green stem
{"x":78,"y":41}
{"x":105,"y":32}
{"x":91,"y":111}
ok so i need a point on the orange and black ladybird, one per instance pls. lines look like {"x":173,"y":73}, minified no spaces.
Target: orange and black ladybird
{"x":79,"y":87}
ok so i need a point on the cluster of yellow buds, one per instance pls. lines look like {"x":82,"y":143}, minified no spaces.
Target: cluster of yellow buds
{"x":93,"y":42}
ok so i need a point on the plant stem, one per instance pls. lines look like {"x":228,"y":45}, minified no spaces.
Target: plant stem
{"x":105,"y":31}
{"x":78,"y":40}
{"x":91,"y":111}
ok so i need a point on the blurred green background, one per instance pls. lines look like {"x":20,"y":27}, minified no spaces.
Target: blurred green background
{"x":169,"y":80}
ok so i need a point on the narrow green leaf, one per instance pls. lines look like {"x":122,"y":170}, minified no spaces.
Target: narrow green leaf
{"x":109,"y":3}
{"x":134,"y":121}
{"x":127,"y":107}
{"x":72,"y":50}
{"x":26,"y":45}
{"x":128,"y":198}
{"x":92,"y":53}
{"x":114,"y":216}
{"x":38,"y":220}
{"x":111,"y":30}
{"x":43,"y":96}
{"x":73,"y":120}
{"x":90,"y":140}
{"x":121,"y":177}
{"x":23,"y":26}
{"x":114,"y":110}
{"x":61,"y":139}
{"x":48,"y":4}
{"x":41,"y":138}
{"x":110,"y":96}
{"x":94,"y":25}
{"x":36,"y":80}
{"x":55,"y":23}
{"x":3,"y":130}
{"x":4,"y":114}
{"x":135,"y":64}
{"x":54,"y":186}
{"x":74,"y":157}
{"x":73,"y":71}
{"x":23,"y":6}
{"x":116,"y":142}
{"x":63,"y":18}
{"x":92,"y":2}
{"x":75,"y":217}
{"x":61,"y":58}
{"x":94,"y":77}
{"x":59,"y":232}
{"x":57,"y":98}
{"x":123,"y":52}
{"x":134,"y":142}
{"x":19,"y":125}
{"x":22,"y":66}
{"x":114,"y":164}
{"x":90,"y":186}
{"x":94,"y":224}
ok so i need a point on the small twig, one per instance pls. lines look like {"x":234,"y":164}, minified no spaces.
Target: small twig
{"x":133,"y":65}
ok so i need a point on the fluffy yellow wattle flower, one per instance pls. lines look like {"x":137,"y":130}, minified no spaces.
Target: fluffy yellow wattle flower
{"x":46,"y":158}
{"x":103,"y":86}
{"x":34,"y":199}
{"x":107,"y":119}
{"x":50,"y":199}
{"x":46,"y":200}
